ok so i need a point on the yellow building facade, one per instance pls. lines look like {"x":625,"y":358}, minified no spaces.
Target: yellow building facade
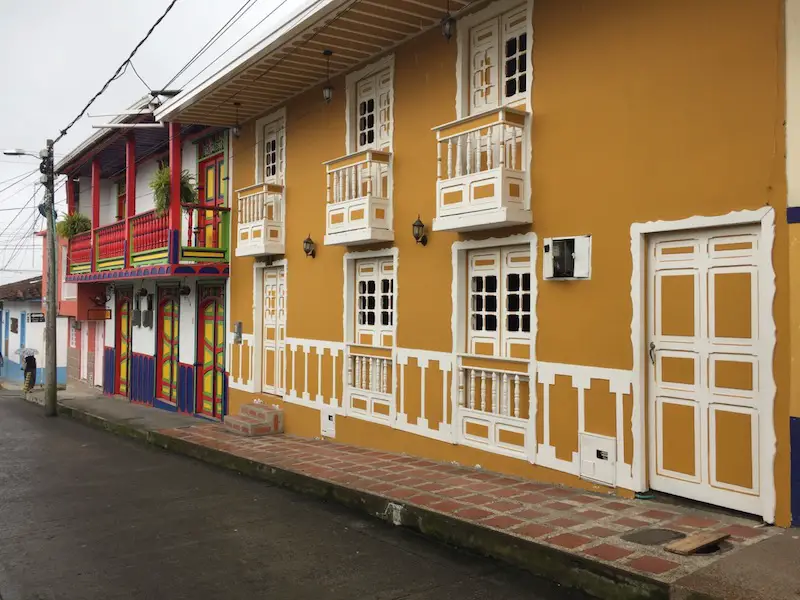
{"x":602,"y":296}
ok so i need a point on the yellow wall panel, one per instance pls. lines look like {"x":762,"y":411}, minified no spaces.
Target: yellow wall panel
{"x":732,"y":374}
{"x":676,"y":369}
{"x":564,"y":417}
{"x":600,"y":409}
{"x":677,"y":305}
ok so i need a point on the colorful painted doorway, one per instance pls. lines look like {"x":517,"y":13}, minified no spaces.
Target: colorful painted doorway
{"x":123,"y":340}
{"x":211,"y":351}
{"x":167,"y":343}
{"x":211,"y":193}
{"x":708,"y":365}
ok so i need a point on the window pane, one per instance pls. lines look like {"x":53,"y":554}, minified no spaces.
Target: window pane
{"x":371,"y":136}
{"x":523,"y":42}
{"x":513,"y":322}
{"x":477,"y":323}
{"x":371,"y":318}
{"x":523,"y":84}
{"x":491,"y":284}
{"x":491,"y":303}
{"x":491,"y":323}
{"x":371,"y":121}
{"x":361,"y":318}
{"x":512,"y":281}
{"x":362,"y":302}
{"x":511,"y":87}
{"x":511,"y":47}
{"x":526,"y":323}
{"x":526,"y":281}
{"x":477,"y":284}
{"x":362,"y":139}
{"x":385,"y":286}
{"x":371,"y":287}
{"x":384,"y":302}
{"x":371,"y":302}
{"x":362,"y":287}
{"x":362,"y":124}
{"x":385,"y":318}
{"x":526,"y":302}
{"x":370,"y":105}
{"x":362,"y":108}
{"x":512,"y":302}
{"x":477,"y":303}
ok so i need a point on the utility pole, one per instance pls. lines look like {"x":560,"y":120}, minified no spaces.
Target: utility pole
{"x":48,"y":179}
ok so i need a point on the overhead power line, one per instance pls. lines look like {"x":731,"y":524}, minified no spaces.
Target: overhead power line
{"x":117,"y":73}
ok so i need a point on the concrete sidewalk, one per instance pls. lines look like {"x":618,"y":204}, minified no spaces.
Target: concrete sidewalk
{"x":575,"y":538}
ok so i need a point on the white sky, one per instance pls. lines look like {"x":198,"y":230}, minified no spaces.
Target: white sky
{"x":56,"y":54}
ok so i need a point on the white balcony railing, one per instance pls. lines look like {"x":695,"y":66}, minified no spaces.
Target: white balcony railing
{"x":482,"y":161}
{"x":370,"y":386}
{"x":260,"y":228}
{"x":359,"y":204}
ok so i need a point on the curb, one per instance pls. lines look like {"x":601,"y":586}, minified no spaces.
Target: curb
{"x":595,"y":578}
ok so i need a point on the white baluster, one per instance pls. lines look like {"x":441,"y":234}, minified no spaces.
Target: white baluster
{"x":483,"y":391}
{"x":490,"y":148}
{"x":373,"y":375}
{"x":357,"y":368}
{"x":294,"y":387}
{"x":478,"y":146}
{"x":505,"y":410}
{"x":328,"y":190}
{"x":334,"y":353}
{"x":449,"y":158}
{"x":385,"y":389}
{"x":371,"y":177}
{"x":438,"y":160}
{"x":461,"y":388}
{"x":459,"y":156}
{"x":502,"y":156}
{"x":365,"y":373}
{"x":516,"y":396}
{"x":340,"y":174}
{"x":353,"y":181}
{"x":469,"y":154}
{"x":495,"y":394}
{"x":472,"y":389}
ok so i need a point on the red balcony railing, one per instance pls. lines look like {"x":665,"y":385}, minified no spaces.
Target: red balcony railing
{"x":149,"y":231}
{"x":80,"y":249}
{"x":110,"y":241}
{"x":207,"y":226}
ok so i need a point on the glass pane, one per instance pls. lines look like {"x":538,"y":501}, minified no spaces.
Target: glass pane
{"x":362,"y":287}
{"x":362,"y":139}
{"x":371,"y":318}
{"x":362,"y":302}
{"x":526,"y":302}
{"x":385,"y":286}
{"x":513,"y":322}
{"x":371,"y":287}
{"x":511,"y":87}
{"x":491,"y":323}
{"x":523,"y":42}
{"x":385,"y":318}
{"x":477,"y":284}
{"x":511,"y":68}
{"x":384,"y":302}
{"x":491,"y":303}
{"x":512,"y":281}
{"x":361,"y":318}
{"x":511,"y":47}
{"x":512,"y":302}
{"x":362,"y":123}
{"x":477,"y":303}
{"x":523,"y":83}
{"x":371,"y":121}
{"x":477,"y":323}
{"x":526,"y":281}
{"x":370,"y":105}
{"x":362,"y":108}
{"x":521,"y":63}
{"x":371,"y":302}
{"x":371,"y":136}
{"x":526,"y":323}
{"x":491,"y":284}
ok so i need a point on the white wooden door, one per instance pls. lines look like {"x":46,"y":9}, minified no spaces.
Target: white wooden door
{"x":99,"y":352}
{"x":274,"y":331}
{"x":706,"y":362}
{"x":84,"y":350}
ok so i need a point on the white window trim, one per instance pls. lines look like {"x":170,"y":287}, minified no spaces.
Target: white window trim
{"x":463,"y":27}
{"x":351,"y":79}
{"x":279,"y":114}
{"x":349,"y":266}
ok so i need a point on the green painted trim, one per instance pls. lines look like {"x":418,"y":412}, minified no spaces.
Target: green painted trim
{"x":80,"y":268}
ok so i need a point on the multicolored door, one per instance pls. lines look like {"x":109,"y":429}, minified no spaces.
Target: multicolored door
{"x":211,"y":193}
{"x":167,"y":340}
{"x":274,"y":333}
{"x":709,"y":367}
{"x":123,"y":318}
{"x":211,"y":351}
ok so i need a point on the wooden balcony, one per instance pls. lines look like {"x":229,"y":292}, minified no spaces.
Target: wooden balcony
{"x":359,"y":203}
{"x":146,"y":246}
{"x":260,"y":228}
{"x":482,"y":164}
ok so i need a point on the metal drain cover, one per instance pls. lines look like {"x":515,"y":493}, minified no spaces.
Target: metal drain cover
{"x":653,"y":537}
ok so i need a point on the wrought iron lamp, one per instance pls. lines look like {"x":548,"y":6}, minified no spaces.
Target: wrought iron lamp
{"x":418,"y":229}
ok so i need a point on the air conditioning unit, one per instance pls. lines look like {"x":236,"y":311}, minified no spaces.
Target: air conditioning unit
{"x":567,"y":258}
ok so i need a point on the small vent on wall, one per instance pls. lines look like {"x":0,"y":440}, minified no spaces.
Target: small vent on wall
{"x":598,"y":458}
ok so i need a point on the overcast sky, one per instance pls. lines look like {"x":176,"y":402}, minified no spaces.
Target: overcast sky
{"x":55,"y":54}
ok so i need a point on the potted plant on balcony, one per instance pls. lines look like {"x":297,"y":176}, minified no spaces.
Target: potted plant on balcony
{"x":161,"y":185}
{"x":71,"y":225}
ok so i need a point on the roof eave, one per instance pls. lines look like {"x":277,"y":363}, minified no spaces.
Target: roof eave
{"x":318,"y":10}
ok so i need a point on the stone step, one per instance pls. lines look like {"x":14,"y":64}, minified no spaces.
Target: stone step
{"x":251,"y":427}
{"x":265,"y":412}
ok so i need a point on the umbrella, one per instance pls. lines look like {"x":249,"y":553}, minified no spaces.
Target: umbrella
{"x":23,"y":352}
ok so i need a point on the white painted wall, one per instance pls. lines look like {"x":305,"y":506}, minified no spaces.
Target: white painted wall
{"x":189,"y":160}
{"x":144,"y":193}
{"x":187,"y":351}
{"x":35,"y":332}
{"x":110,"y":334}
{"x":144,"y":338}
{"x":793,"y":101}
{"x":108,"y":202}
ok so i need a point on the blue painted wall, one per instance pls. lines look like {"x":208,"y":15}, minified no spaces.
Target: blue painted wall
{"x":186,"y":384}
{"x":23,"y":320}
{"x":12,"y":371}
{"x":142,"y":381}
{"x":794,"y":438}
{"x":109,"y":365}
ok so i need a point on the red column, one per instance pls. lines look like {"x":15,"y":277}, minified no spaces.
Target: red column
{"x":175,"y":167}
{"x":95,"y":207}
{"x":130,"y":194}
{"x":70,"y":194}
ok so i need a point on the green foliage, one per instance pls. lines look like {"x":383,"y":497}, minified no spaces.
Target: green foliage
{"x":160,"y":186}
{"x":71,"y":225}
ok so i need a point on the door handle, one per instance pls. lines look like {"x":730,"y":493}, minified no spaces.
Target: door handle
{"x":652,"y":352}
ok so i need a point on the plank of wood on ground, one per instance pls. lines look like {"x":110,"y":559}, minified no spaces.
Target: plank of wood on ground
{"x":696,"y":541}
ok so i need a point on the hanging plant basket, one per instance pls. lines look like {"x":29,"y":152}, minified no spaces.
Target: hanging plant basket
{"x":161,"y":189}
{"x":71,"y":225}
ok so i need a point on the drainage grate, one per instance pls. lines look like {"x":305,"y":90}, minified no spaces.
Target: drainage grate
{"x":653,"y":537}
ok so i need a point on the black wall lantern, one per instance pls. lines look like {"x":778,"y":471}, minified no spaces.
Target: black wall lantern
{"x":309,"y":247}
{"x":327,"y":91}
{"x":184,"y":290}
{"x":448,"y":24}
{"x":418,"y":229}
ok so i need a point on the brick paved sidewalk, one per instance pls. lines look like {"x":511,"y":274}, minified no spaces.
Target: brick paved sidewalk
{"x":574,"y":521}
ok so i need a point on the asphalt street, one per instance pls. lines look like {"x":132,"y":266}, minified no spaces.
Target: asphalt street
{"x":85,"y":515}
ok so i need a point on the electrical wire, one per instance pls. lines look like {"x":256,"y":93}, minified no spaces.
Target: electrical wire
{"x":242,"y":10}
{"x":118,"y":73}
{"x":140,"y":77}
{"x":20,"y":178}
